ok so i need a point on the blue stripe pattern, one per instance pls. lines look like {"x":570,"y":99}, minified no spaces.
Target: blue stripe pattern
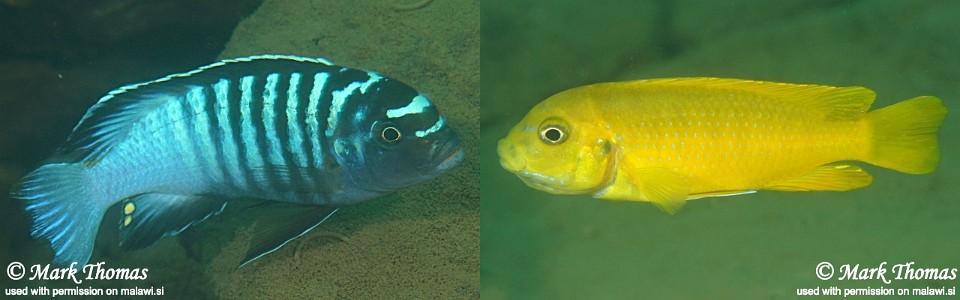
{"x":274,"y":148}
{"x":182,"y":136}
{"x":198,"y":101}
{"x":228,"y":146}
{"x":273,"y":127}
{"x":247,"y":131}
{"x":258,"y":131}
{"x":336,"y":106}
{"x":295,"y":143}
{"x":313,"y":125}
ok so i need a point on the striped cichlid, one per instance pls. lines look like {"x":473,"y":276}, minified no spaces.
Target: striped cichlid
{"x":283,"y":128}
{"x":669,"y":140}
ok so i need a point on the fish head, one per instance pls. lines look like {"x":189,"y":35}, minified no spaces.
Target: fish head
{"x":556,"y":148}
{"x":398,"y":138}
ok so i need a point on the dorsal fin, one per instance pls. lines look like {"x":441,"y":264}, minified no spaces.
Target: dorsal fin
{"x":110,"y":118}
{"x":843,"y":103}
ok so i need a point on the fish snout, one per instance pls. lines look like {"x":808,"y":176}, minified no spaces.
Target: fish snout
{"x":509,"y":159}
{"x":447,"y":155}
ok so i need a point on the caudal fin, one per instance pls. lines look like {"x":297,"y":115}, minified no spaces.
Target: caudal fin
{"x":66,"y":210}
{"x":905,"y":135}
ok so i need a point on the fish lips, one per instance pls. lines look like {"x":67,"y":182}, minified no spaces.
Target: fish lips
{"x":513,"y":163}
{"x":509,"y":159}
{"x":446,"y":156}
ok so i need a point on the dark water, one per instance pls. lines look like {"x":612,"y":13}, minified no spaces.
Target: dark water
{"x":423,"y":242}
{"x":58,"y":58}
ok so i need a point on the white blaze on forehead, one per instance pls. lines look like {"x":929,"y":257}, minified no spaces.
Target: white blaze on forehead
{"x":416,"y":106}
{"x":436,"y":127}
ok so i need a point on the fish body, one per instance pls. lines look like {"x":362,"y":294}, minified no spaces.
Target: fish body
{"x":282,"y":128}
{"x":670,"y":140}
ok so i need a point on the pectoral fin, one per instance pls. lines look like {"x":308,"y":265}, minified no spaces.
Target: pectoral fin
{"x":283,"y":224}
{"x":831,"y":177}
{"x":662,"y":187}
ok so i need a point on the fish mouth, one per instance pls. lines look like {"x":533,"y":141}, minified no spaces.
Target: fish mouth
{"x":452,"y":160}
{"x":508,"y":157}
{"x":545,"y":183}
{"x":513,"y":163}
{"x":450,"y":155}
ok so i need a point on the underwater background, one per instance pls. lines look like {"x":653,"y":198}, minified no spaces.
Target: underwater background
{"x":57,"y":59}
{"x":760,"y":246}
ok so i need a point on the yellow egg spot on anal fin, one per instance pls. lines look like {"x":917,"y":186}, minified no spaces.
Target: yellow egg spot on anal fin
{"x":662,"y":187}
{"x":129,"y":208}
{"x":127,"y":220}
{"x":831,"y":177}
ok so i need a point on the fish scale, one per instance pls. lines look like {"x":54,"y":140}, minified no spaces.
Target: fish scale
{"x":725,"y":138}
{"x":252,"y":128}
{"x":289,"y":129}
{"x":669,"y":140}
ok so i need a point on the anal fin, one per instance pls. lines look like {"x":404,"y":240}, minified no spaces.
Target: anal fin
{"x":830,"y":177}
{"x":148,"y":217}
{"x":282,"y":225}
{"x":720,"y":194}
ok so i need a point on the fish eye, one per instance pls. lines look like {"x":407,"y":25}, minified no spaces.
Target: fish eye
{"x":390,"y":135}
{"x":553,"y":134}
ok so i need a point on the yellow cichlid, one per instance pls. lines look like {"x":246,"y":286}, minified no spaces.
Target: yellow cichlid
{"x":670,"y":140}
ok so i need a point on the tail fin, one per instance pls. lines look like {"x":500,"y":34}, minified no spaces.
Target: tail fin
{"x":905,"y":135}
{"x":66,"y":210}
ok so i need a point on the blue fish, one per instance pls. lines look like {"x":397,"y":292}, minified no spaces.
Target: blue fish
{"x":284,"y":128}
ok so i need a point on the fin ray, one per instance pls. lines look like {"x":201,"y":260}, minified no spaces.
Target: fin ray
{"x":284,"y":225}
{"x":110,"y":118}
{"x":720,"y":194}
{"x":905,"y":135}
{"x":65,"y":210}
{"x":830,"y":177}
{"x":662,"y":187}
{"x":148,"y":217}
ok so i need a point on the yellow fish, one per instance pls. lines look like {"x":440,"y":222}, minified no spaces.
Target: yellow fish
{"x":670,"y":140}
